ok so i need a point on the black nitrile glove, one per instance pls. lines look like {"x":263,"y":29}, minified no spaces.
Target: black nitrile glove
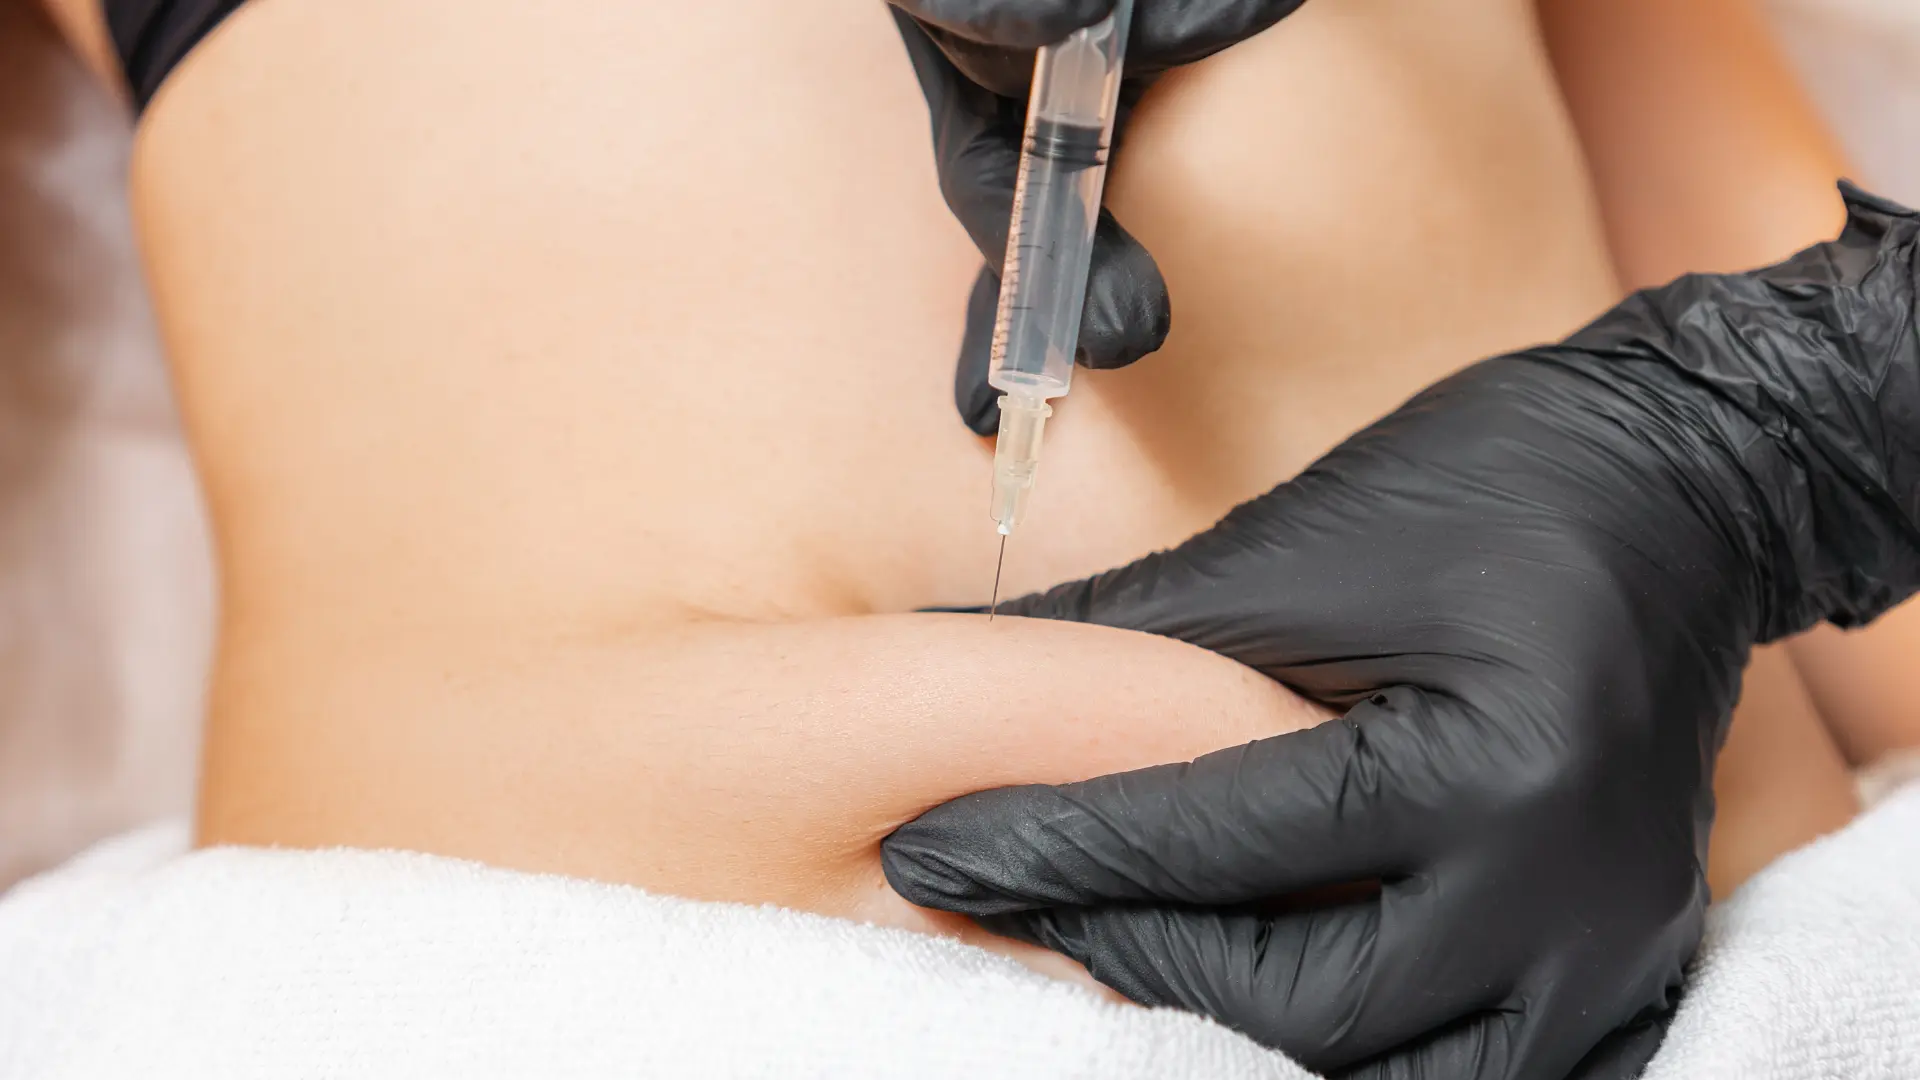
{"x":1533,"y":588}
{"x":975,"y":63}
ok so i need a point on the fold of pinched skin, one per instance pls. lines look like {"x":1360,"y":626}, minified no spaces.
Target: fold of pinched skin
{"x":750,"y":763}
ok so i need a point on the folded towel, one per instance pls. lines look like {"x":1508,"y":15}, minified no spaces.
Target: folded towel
{"x":1812,"y":969}
{"x":140,"y":958}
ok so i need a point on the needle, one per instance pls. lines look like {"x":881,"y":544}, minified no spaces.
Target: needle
{"x":997,"y":564}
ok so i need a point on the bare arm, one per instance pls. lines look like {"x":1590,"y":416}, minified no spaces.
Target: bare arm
{"x":1863,"y":682}
{"x":1704,"y":151}
{"x":1707,"y":156}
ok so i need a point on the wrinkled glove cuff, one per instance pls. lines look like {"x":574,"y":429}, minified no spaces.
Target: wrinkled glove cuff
{"x":1808,"y":373}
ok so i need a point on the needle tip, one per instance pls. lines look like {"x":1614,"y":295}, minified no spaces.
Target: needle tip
{"x":997,"y":565}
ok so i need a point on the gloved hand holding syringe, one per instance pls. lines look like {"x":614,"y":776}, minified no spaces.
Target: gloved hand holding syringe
{"x":1043,"y":286}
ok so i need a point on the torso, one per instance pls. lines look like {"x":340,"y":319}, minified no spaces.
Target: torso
{"x":567,"y":390}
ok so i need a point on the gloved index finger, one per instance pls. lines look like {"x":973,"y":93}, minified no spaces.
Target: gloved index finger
{"x":1318,"y":807}
{"x":1010,"y":24}
{"x":1170,"y":35}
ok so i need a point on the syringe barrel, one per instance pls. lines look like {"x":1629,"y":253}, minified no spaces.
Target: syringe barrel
{"x":1056,"y":206}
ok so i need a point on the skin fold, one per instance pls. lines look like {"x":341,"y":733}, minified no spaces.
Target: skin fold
{"x":572,"y":396}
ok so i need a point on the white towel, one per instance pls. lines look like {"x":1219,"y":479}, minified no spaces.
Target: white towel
{"x":139,"y":959}
{"x":1811,"y":971}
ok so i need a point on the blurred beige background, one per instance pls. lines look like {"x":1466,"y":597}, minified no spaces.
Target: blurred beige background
{"x":105,"y":586}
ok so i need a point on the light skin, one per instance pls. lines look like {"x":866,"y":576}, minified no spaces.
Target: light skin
{"x":572,"y":458}
{"x":600,"y":757}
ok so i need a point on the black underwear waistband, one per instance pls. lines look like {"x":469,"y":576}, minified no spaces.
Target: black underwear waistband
{"x":151,"y":37}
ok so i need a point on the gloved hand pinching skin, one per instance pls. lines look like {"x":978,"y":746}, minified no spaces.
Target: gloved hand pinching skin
{"x":1533,"y":588}
{"x":974,"y":59}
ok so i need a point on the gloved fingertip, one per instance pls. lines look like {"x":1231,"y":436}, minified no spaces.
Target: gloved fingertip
{"x":980,"y":409}
{"x":1027,"y":25}
{"x":916,"y":864}
{"x":1122,"y":346}
{"x":1129,"y":312}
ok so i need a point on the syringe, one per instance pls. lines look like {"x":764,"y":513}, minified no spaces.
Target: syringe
{"x":1043,"y":284}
